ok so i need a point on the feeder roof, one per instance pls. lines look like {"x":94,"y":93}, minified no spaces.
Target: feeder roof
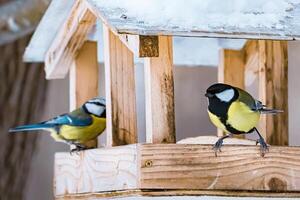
{"x":263,"y":19}
{"x":260,"y":19}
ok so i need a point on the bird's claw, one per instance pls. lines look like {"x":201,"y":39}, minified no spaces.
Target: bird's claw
{"x":77,"y":149}
{"x":217,"y":147}
{"x":264,"y":147}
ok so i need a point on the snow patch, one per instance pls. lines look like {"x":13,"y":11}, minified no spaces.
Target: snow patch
{"x":206,"y":13}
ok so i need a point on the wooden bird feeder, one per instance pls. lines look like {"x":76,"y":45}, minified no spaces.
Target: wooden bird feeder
{"x":161,"y":167}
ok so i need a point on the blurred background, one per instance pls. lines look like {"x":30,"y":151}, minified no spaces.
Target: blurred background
{"x":26,"y":160}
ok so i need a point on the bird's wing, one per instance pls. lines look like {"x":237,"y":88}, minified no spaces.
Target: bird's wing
{"x":76,"y":118}
{"x":247,"y":99}
{"x":263,"y":108}
{"x":254,"y":104}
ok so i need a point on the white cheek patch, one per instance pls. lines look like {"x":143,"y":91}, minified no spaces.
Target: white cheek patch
{"x":226,"y":95}
{"x":94,"y":109}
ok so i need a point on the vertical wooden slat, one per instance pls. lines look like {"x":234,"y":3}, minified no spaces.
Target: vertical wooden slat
{"x":231,"y":70}
{"x":120,"y":91}
{"x":273,"y":90}
{"x":159,"y":83}
{"x":84,"y":77}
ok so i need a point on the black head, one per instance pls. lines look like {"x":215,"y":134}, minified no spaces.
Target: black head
{"x":95,"y":106}
{"x":222,"y":92}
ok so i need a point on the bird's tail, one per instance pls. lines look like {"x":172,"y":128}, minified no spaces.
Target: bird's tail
{"x":270,"y":111}
{"x":30,"y":127}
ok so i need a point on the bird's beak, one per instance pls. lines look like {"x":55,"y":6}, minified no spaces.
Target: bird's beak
{"x":209,"y":95}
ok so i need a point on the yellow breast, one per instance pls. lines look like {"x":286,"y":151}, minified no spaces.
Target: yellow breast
{"x":241,"y":117}
{"x":216,"y":121}
{"x":83,"y":134}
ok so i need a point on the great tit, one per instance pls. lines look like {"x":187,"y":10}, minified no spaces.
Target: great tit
{"x":235,"y":111}
{"x":75,"y":128}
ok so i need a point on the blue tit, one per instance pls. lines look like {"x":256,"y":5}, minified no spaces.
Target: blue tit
{"x":77,"y":127}
{"x":235,"y":111}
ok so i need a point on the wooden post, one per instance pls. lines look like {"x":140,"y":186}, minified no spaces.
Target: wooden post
{"x":273,"y":90}
{"x":84,"y":77}
{"x":120,"y":91}
{"x":231,"y":70}
{"x":160,"y":117}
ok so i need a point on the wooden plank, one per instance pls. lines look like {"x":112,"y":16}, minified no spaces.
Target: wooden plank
{"x":142,"y":46}
{"x":120,"y":91}
{"x":84,"y":78}
{"x":84,"y":75}
{"x":231,"y":70}
{"x":238,"y":168}
{"x":48,"y":27}
{"x":68,"y":41}
{"x":251,"y":62}
{"x":96,"y":170}
{"x":122,"y":20}
{"x":178,"y":169}
{"x":189,"y":194}
{"x":159,"y":91}
{"x":273,"y":90}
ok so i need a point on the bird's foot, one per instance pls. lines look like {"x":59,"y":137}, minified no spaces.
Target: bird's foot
{"x":217,"y":146}
{"x":264,"y":147}
{"x":77,"y":149}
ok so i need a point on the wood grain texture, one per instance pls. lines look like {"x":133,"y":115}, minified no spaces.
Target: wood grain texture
{"x":178,"y":169}
{"x":120,"y":91}
{"x":251,"y":62}
{"x":130,"y":194}
{"x":84,"y":75}
{"x":68,"y":41}
{"x":159,"y":91}
{"x":231,"y":67}
{"x":273,"y":90}
{"x":141,"y":46}
{"x":96,"y":170}
{"x":84,"y":78}
{"x":231,"y":71}
{"x":236,"y":168}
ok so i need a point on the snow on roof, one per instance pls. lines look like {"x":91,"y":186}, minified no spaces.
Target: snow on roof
{"x":55,"y":15}
{"x":277,"y":19}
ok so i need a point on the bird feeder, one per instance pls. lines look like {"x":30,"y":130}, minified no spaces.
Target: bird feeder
{"x":161,"y":167}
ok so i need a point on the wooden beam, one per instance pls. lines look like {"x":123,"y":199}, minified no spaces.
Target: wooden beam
{"x":120,"y":91}
{"x":179,"y":194}
{"x":103,"y":169}
{"x":142,"y":46}
{"x":189,"y":166}
{"x":231,"y":70}
{"x":68,"y":41}
{"x":84,"y":75}
{"x":273,"y":90}
{"x":251,"y":62}
{"x":84,"y":78}
{"x":159,"y":91}
{"x":185,"y":167}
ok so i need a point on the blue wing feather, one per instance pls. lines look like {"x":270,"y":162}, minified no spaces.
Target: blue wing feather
{"x":75,"y":118}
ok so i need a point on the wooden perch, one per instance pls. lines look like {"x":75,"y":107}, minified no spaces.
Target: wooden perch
{"x":188,"y":167}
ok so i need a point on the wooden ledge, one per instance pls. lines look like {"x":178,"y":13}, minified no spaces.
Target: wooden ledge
{"x":179,"y":167}
{"x":175,"y":193}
